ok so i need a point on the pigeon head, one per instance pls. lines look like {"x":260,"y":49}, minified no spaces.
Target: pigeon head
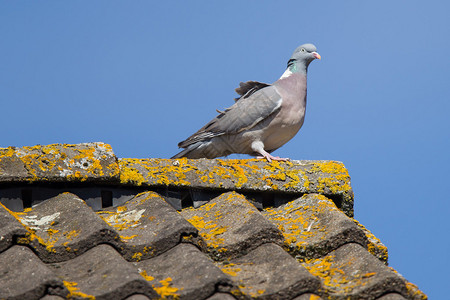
{"x":302,"y":57}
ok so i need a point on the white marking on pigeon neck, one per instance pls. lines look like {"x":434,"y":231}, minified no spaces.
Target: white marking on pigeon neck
{"x":286,"y":74}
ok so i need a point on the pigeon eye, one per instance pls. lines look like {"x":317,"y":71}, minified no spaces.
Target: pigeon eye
{"x":303,"y":50}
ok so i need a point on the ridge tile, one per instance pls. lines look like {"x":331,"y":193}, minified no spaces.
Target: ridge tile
{"x":246,"y":175}
{"x":59,"y":162}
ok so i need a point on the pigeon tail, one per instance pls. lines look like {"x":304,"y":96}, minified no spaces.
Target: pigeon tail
{"x":203,"y":149}
{"x":181,"y":154}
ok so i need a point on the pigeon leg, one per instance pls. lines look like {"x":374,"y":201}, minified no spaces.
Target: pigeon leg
{"x":259,"y":148}
{"x":270,"y":157}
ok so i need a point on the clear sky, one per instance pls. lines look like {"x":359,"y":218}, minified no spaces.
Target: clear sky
{"x":144,"y":75}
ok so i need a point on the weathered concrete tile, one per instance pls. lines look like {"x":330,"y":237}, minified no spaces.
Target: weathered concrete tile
{"x":10,"y":228}
{"x":308,"y":296}
{"x":313,"y":226}
{"x":392,"y":296}
{"x":268,"y":272}
{"x":24,"y":276}
{"x":64,"y":227}
{"x":374,"y":245}
{"x":184,"y":272}
{"x":138,"y":297}
{"x":52,"y":297}
{"x":231,"y":226}
{"x":221,"y":296}
{"x":300,"y":177}
{"x":59,"y":162}
{"x":148,"y":226}
{"x":102,"y":273}
{"x":351,"y":272}
{"x":413,"y":291}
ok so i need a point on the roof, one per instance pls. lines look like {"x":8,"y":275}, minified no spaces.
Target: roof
{"x":77,"y":222}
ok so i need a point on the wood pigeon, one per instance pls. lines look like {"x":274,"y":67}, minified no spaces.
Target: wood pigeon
{"x":263,"y":118}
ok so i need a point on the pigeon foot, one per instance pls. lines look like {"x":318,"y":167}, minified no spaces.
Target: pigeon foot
{"x":270,"y":157}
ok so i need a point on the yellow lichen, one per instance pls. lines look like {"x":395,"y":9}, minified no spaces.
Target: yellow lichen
{"x":332,"y":276}
{"x":128,"y":237}
{"x":74,"y":292}
{"x":337,"y":182}
{"x":374,"y":245}
{"x":414,"y":291}
{"x":209,"y":231}
{"x":130,"y":175}
{"x":298,"y":222}
{"x":71,"y":234}
{"x":137,"y":256}
{"x":166,"y":290}
{"x":367,"y":275}
{"x":121,"y":208}
{"x":154,"y":172}
{"x":230,"y":269}
{"x":335,"y":275}
{"x":208,"y":217}
{"x":146,"y":276}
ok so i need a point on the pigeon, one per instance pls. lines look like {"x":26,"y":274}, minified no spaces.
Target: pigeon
{"x":263,"y":118}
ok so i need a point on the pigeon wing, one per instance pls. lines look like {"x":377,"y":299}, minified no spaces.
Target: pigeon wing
{"x":246,"y":89}
{"x":243,"y":115}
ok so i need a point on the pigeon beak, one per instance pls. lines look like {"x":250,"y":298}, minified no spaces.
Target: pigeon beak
{"x":317,"y":55}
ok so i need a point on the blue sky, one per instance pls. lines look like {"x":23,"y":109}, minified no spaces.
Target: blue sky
{"x":144,"y":75}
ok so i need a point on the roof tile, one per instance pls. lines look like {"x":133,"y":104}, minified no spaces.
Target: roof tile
{"x":392,"y":296}
{"x":184,"y":272}
{"x":52,"y":297}
{"x":308,"y":297}
{"x":313,"y":226}
{"x":352,"y":272}
{"x":221,"y":296}
{"x":268,"y":272}
{"x":102,"y":273}
{"x":137,"y":297}
{"x":148,"y":226}
{"x":63,"y":227}
{"x":230,"y":226}
{"x":10,"y":228}
{"x":375,"y":246}
{"x":24,"y":276}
